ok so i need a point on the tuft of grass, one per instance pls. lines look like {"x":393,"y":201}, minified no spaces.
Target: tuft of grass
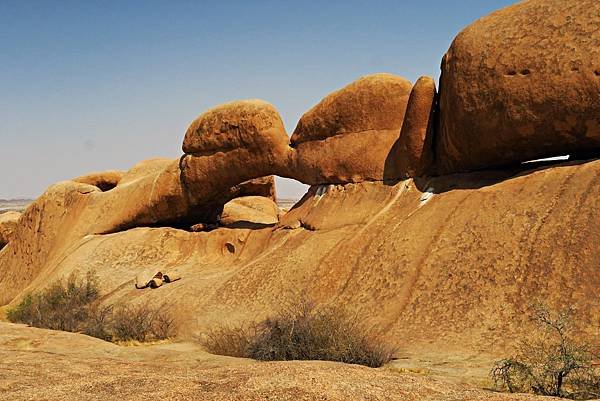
{"x":74,"y":305}
{"x":303,"y":331}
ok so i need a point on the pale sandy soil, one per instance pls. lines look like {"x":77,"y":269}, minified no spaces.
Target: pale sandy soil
{"x":46,"y":365}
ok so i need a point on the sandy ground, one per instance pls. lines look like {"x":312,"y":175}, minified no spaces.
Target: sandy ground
{"x":48,"y":365}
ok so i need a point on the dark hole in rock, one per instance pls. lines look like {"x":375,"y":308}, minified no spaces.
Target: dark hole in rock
{"x":525,"y":71}
{"x":511,"y":72}
{"x":105,"y":186}
{"x":230,"y":247}
{"x":597,"y":73}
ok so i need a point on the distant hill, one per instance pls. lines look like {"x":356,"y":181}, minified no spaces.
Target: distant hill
{"x":7,"y":205}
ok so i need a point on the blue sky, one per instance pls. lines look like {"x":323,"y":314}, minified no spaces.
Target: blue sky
{"x":88,"y":86}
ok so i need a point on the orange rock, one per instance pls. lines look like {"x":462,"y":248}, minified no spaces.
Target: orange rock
{"x":521,"y":83}
{"x":348,"y":136}
{"x":249,"y":211}
{"x":230,"y":144}
{"x":105,"y":180}
{"x":262,"y":186}
{"x":8,"y":224}
{"x":414,"y":149}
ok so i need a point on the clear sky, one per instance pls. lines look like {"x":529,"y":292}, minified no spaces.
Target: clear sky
{"x":96,"y":85}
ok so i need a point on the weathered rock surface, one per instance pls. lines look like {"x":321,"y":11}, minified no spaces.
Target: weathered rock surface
{"x":249,"y":211}
{"x":46,"y":365}
{"x":262,"y":186}
{"x":230,"y":144}
{"x":348,"y":136}
{"x":453,"y":246}
{"x":150,"y":194}
{"x":414,"y":153}
{"x":8,"y":224}
{"x":105,"y":180}
{"x":521,"y":83}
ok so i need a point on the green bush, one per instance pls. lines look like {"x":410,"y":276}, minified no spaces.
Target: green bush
{"x":551,"y":362}
{"x":73,"y":305}
{"x":303,"y":332}
{"x":65,"y":305}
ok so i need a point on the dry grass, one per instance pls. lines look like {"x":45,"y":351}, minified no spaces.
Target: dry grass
{"x":303,"y":332}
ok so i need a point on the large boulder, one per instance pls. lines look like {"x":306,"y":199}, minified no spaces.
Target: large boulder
{"x":8,"y":224}
{"x":413,"y":153}
{"x":349,"y":135}
{"x":250,"y":211}
{"x":520,"y":84}
{"x":230,"y":144}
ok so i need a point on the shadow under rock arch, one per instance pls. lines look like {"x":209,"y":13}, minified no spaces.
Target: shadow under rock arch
{"x":483,"y":178}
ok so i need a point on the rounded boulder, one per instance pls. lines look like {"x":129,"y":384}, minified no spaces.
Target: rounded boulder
{"x":519,"y":84}
{"x":348,"y":136}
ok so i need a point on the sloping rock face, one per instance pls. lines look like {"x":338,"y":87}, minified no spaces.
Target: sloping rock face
{"x":68,"y":365}
{"x":349,"y":135}
{"x":150,"y":194}
{"x":520,"y":84}
{"x":447,"y":261}
{"x":252,"y":211}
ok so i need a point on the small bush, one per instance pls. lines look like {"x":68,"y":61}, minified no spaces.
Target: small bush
{"x":99,"y":322}
{"x":164,"y":325}
{"x":132,"y":322}
{"x":303,"y":332}
{"x":142,"y":323}
{"x":65,"y":305}
{"x":551,"y":363}
{"x":231,"y":340}
{"x":73,"y":305}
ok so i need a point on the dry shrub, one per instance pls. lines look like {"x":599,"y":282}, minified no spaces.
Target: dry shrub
{"x":142,"y":323}
{"x":99,"y":322}
{"x":65,"y":305}
{"x":303,"y":331}
{"x":164,"y":325}
{"x":231,"y":340}
{"x":73,"y":305}
{"x":551,"y":362}
{"x":132,"y":322}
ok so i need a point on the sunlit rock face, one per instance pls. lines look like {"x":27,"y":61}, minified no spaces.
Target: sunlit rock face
{"x":520,"y":84}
